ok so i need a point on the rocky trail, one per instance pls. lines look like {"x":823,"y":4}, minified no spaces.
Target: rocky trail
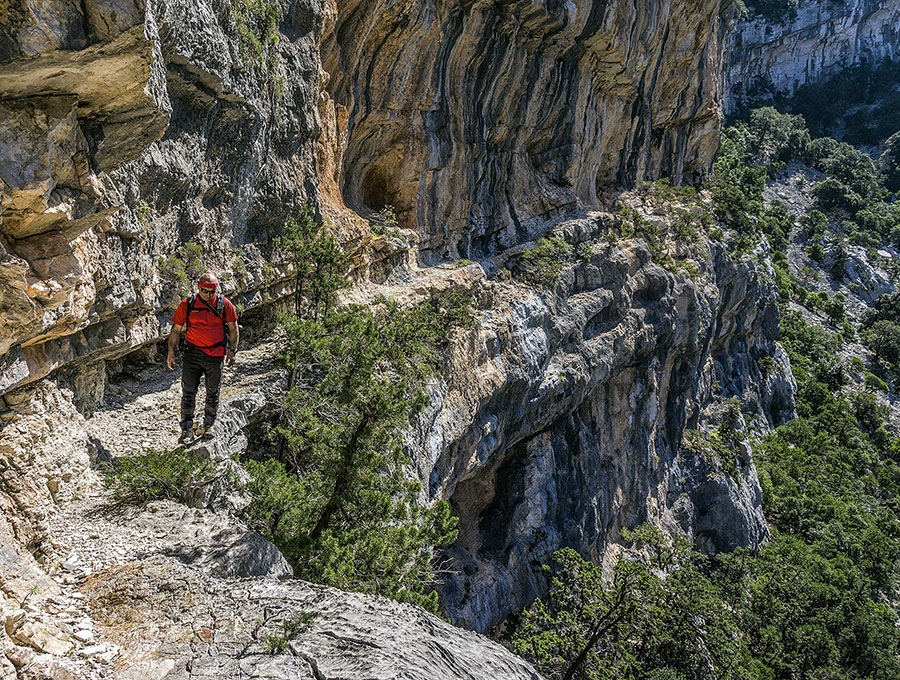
{"x":170,"y":591}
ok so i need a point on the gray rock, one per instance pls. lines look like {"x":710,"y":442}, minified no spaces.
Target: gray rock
{"x":236,"y":553}
{"x":561,"y":421}
{"x":824,"y":38}
{"x":206,"y":627}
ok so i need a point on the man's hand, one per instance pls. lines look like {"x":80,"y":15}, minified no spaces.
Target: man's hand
{"x":229,"y":358}
{"x":170,"y":360}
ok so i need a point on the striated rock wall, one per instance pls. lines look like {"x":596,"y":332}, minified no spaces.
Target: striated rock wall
{"x":130,"y":130}
{"x":561,"y":420}
{"x":825,"y":37}
{"x":134,"y":128}
{"x":481,"y":122}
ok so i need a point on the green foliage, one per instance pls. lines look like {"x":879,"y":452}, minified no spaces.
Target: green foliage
{"x":290,"y":628}
{"x":776,"y":11}
{"x":736,"y":185}
{"x":158,"y":475}
{"x":889,"y":162}
{"x":817,"y":602}
{"x":144,"y":212}
{"x":716,"y":447}
{"x":542,"y":264}
{"x":384,"y":221}
{"x":181,"y":269}
{"x":257,"y":26}
{"x":663,"y":190}
{"x":338,"y":500}
{"x":814,"y":224}
{"x":661,"y":617}
{"x":239,"y":267}
{"x":883,"y":339}
{"x":847,"y":165}
{"x":775,"y":136}
{"x":861,"y":100}
{"x":318,"y":263}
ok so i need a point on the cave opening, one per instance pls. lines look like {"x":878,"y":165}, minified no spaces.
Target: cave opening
{"x":376,"y":190}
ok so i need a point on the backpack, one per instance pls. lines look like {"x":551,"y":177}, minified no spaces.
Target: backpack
{"x":219,"y":311}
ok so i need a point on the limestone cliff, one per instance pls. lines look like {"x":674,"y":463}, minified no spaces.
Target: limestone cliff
{"x":482,"y":122}
{"x":130,"y":131}
{"x":147,"y":140}
{"x":822,"y":39}
{"x":562,"y":420}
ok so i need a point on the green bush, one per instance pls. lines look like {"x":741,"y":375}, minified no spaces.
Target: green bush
{"x":543,"y":263}
{"x":889,"y":162}
{"x":158,"y":475}
{"x":290,"y":628}
{"x":832,"y":194}
{"x":336,"y":497}
{"x":774,"y":10}
{"x":256,"y":22}
{"x":776,"y":136}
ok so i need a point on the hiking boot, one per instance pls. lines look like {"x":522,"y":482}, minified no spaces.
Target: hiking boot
{"x":199,"y":430}
{"x":185,"y":437}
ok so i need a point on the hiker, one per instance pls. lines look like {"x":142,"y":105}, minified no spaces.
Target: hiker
{"x":211,"y":338}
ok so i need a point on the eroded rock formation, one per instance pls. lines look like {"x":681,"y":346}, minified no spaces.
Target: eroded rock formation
{"x":130,"y":131}
{"x":561,"y":421}
{"x":822,"y":39}
{"x":480,"y":123}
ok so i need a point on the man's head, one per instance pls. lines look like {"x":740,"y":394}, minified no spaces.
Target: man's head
{"x":208,"y":283}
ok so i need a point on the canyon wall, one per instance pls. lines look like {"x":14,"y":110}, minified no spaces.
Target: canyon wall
{"x":147,"y":141}
{"x":131,"y":131}
{"x":481,"y":122}
{"x":823,"y":38}
{"x":568,"y":416}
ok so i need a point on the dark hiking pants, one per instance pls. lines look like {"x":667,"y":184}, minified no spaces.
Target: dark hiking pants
{"x":198,"y":363}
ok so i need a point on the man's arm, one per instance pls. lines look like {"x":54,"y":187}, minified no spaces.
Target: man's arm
{"x":174,"y":334}
{"x":234,"y":335}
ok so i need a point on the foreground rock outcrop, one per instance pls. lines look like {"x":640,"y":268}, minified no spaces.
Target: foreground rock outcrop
{"x":168,"y":591}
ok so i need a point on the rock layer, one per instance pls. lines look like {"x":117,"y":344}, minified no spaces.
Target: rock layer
{"x":481,"y":122}
{"x":562,"y":420}
{"x":131,"y":131}
{"x":822,"y":39}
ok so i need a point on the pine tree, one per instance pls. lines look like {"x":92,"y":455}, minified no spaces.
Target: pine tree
{"x":339,"y":500}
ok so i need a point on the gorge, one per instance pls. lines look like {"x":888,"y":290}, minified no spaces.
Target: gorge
{"x":146,"y":141}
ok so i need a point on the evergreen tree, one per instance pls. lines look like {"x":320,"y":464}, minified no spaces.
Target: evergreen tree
{"x":339,"y":499}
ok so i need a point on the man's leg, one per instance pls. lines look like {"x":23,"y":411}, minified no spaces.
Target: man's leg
{"x":213,"y":380}
{"x":191,"y":371}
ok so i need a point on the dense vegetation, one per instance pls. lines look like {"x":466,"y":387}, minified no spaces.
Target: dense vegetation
{"x":335,"y":495}
{"x":820,"y":600}
{"x":771,"y":10}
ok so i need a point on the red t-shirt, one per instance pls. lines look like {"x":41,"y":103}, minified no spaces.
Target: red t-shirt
{"x":205,"y":330}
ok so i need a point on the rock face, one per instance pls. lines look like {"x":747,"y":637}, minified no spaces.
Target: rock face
{"x":130,"y":131}
{"x":168,"y":591}
{"x":562,"y":420}
{"x":480,"y":123}
{"x":267,"y":629}
{"x":824,"y":38}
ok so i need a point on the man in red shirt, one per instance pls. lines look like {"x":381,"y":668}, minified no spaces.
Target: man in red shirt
{"x":210,"y":339}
